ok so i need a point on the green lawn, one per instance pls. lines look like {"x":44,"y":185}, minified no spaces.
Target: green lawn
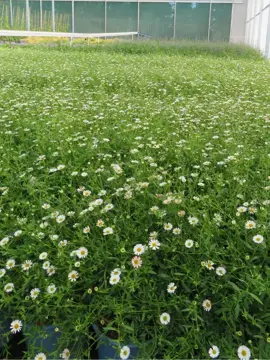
{"x":125,"y":168}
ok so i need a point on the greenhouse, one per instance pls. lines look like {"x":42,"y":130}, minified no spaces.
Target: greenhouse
{"x":192,"y":20}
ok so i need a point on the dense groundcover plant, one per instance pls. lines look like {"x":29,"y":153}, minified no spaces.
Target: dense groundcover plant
{"x":135,"y":196}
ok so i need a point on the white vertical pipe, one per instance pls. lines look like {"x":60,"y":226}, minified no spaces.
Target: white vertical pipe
{"x":72,"y":17}
{"x":209,"y":21}
{"x":27,"y":11}
{"x":174,"y":20}
{"x":138,"y":19}
{"x":232,"y":19}
{"x":53,"y":17}
{"x":11,"y":13}
{"x":41,"y":16}
{"x":105,"y":20}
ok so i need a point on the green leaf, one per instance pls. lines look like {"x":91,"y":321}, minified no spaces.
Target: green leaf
{"x":256,"y":298}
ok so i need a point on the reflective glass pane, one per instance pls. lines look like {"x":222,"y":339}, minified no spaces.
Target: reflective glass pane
{"x":122,"y":16}
{"x":156,"y":19}
{"x":19,"y":14}
{"x":220,"y":22}
{"x":34,"y":8}
{"x":4,"y":15}
{"x":89,"y":17}
{"x":192,"y":20}
{"x":63,"y":16}
{"x":46,"y":16}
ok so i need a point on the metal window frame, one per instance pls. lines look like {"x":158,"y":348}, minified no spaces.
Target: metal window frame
{"x":139,"y":9}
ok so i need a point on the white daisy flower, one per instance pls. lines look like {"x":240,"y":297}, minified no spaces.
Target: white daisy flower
{"x":46,"y":265}
{"x":63,"y":243}
{"x":2,"y":272}
{"x":4,"y":241}
{"x":51,"y":289}
{"x":65,"y":354}
{"x":18,"y":233}
{"x":73,"y":276}
{"x":221,"y":271}
{"x":116,"y":272}
{"x":9,"y":287}
{"x":243,"y":352}
{"x":34,"y":293}
{"x":40,"y":356}
{"x":100,"y":223}
{"x":209,"y":265}
{"x":10,"y":264}
{"x":167,"y":226}
{"x":165,"y":319}
{"x":27,"y":265}
{"x":171,"y":288}
{"x":16,"y":326}
{"x":176,"y":231}
{"x":241,"y":209}
{"x":193,"y":220}
{"x":108,"y":207}
{"x":154,"y":244}
{"x":214,"y":352}
{"x":138,"y":249}
{"x":86,"y":193}
{"x":86,"y":230}
{"x":43,"y":256}
{"x":207,"y":305}
{"x":61,"y":167}
{"x":136,"y":262}
{"x":258,"y":239}
{"x":114,"y":279}
{"x":107,"y":231}
{"x":46,"y":206}
{"x":250,"y":224}
{"x":189,"y":243}
{"x":60,"y":219}
{"x":124,"y":353}
{"x":82,"y":252}
{"x":51,"y":270}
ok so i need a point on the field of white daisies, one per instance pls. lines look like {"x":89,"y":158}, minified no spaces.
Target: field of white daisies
{"x":135,"y":197}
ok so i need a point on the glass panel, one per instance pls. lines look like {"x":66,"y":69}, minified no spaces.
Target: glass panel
{"x":47,"y":16}
{"x":220,"y":22}
{"x":63,"y":16}
{"x":19,"y":14}
{"x":4,"y":15}
{"x":156,"y":19}
{"x":34,"y":8}
{"x":192,"y":21}
{"x":89,"y":17}
{"x":122,"y":16}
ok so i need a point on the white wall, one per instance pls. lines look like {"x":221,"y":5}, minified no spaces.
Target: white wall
{"x":258,"y":25}
{"x":238,"y":22}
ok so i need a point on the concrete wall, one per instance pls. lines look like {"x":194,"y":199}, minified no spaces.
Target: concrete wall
{"x":258,"y":25}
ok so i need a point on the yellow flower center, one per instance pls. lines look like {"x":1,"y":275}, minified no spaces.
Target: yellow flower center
{"x":244,"y":353}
